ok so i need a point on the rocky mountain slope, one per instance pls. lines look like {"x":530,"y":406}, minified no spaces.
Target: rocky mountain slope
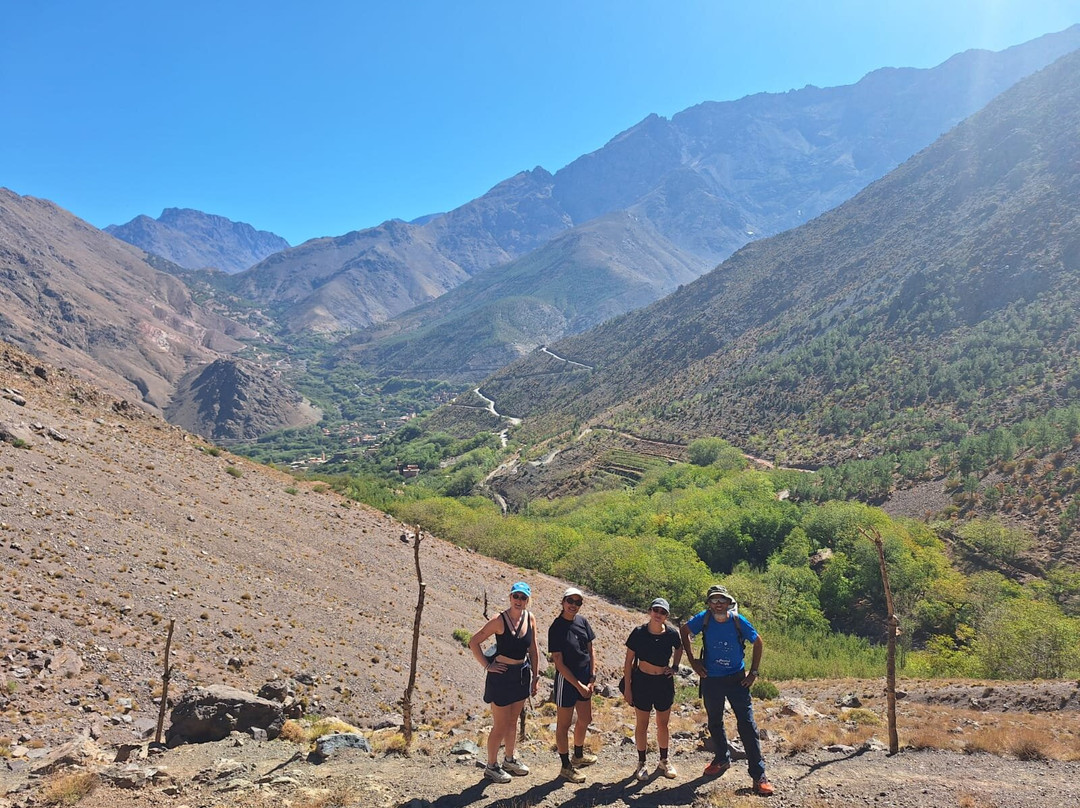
{"x":196,"y":240}
{"x":613,"y":264}
{"x":229,"y":400}
{"x":708,"y":181}
{"x":80,"y":298}
{"x":884,"y":304}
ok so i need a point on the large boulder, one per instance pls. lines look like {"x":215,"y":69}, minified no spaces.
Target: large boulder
{"x":211,"y":713}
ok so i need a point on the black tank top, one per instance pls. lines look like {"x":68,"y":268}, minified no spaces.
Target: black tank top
{"x":509,"y":645}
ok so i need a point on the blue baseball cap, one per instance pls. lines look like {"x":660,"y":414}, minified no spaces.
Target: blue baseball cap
{"x":522,"y":587}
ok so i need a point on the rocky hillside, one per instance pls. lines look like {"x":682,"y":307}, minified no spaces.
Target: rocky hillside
{"x":196,"y":240}
{"x":113,"y":522}
{"x":228,"y":400}
{"x":869,"y":326}
{"x":82,"y":299}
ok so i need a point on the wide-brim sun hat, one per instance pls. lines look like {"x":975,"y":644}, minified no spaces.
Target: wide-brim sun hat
{"x":715,"y":590}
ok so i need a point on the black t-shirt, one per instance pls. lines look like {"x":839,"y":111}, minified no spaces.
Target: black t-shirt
{"x":656,"y":649}
{"x":571,"y":638}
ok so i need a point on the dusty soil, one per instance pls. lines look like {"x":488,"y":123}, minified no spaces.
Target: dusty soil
{"x":113,"y":523}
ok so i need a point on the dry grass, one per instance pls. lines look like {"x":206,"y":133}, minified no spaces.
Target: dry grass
{"x":293,"y":732}
{"x":337,"y":796}
{"x":69,"y":789}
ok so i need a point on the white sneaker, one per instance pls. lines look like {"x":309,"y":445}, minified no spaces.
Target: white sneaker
{"x":642,"y":773}
{"x":515,"y":767}
{"x":496,"y":774}
{"x":665,"y":768}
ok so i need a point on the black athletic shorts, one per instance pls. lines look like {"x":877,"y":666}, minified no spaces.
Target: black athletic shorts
{"x":652,"y":691}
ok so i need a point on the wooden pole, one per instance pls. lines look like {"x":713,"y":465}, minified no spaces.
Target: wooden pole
{"x":406,"y":701}
{"x":893,"y":625}
{"x":166,"y":673}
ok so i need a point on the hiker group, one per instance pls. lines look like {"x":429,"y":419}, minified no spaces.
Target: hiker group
{"x":654,"y":651}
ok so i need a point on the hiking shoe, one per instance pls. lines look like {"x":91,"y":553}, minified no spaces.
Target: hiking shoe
{"x":515,"y":767}
{"x":571,"y":774}
{"x":763,"y":787}
{"x":583,"y":761}
{"x":642,"y":773}
{"x":667,"y":769}
{"x":716,"y":768}
{"x":495,"y":773}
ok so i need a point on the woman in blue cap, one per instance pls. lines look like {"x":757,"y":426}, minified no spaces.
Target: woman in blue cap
{"x":648,"y":672}
{"x":512,"y":676}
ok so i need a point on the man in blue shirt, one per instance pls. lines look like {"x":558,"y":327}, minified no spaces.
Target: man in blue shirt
{"x":724,"y":678}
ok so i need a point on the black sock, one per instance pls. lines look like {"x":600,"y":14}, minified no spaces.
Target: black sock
{"x":579,"y":751}
{"x":641,"y":755}
{"x":663,"y":753}
{"x":565,"y":756}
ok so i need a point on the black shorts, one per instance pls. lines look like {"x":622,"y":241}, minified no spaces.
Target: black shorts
{"x":565,"y":694}
{"x":652,"y":691}
{"x":512,"y":685}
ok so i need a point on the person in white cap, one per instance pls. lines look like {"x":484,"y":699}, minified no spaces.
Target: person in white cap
{"x":570,"y":643}
{"x":648,"y":683}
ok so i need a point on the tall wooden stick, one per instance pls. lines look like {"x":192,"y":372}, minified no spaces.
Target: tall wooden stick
{"x":893,"y":624}
{"x":166,"y":673}
{"x":406,"y":701}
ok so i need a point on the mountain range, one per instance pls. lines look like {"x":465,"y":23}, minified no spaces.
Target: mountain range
{"x":195,"y":240}
{"x":941,"y":302}
{"x":662,"y":203}
{"x":538,"y":257}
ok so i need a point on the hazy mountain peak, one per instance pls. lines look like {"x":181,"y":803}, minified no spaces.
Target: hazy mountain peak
{"x":196,"y":240}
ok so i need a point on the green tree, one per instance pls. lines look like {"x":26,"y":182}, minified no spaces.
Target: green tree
{"x":1028,"y":640}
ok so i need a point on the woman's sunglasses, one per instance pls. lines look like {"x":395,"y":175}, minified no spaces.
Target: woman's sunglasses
{"x":574,"y":601}
{"x":658,"y":610}
{"x":519,"y":596}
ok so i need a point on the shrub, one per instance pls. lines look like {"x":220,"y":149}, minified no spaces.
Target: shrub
{"x":462,"y":636}
{"x":766,"y":691}
{"x":292,"y":489}
{"x":234,"y":471}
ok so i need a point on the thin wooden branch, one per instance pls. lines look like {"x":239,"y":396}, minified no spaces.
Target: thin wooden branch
{"x":893,"y":625}
{"x":406,"y":701}
{"x":166,"y":673}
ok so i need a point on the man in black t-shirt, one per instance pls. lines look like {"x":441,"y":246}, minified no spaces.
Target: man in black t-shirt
{"x":570,"y":643}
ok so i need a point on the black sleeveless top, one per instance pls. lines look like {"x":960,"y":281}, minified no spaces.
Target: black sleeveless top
{"x":509,"y":645}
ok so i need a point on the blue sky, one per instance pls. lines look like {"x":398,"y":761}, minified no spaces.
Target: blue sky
{"x":317,"y":118}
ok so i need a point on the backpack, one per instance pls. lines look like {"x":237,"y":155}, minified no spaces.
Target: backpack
{"x":738,"y":631}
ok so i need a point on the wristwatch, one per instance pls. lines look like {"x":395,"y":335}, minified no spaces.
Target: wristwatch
{"x":753,"y":673}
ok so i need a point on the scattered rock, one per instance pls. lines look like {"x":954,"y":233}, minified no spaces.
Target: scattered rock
{"x":465,"y":748}
{"x":793,"y":706}
{"x":328,"y":745}
{"x":211,"y":713}
{"x":78,"y":752}
{"x":133,"y":776}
